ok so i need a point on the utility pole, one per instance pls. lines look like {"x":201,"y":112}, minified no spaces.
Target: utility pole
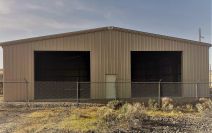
{"x":200,"y":35}
{"x":210,"y":74}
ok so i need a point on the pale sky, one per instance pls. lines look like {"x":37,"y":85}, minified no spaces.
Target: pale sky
{"x":179,"y":18}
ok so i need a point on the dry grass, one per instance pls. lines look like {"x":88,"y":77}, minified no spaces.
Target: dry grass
{"x":39,"y":120}
{"x":76,"y":120}
{"x":154,"y":113}
{"x":82,"y":119}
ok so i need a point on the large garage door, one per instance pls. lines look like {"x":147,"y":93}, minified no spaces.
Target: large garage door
{"x":56,"y":74}
{"x":152,"y":66}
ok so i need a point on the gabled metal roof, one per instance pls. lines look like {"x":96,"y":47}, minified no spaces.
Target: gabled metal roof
{"x":101,"y":29}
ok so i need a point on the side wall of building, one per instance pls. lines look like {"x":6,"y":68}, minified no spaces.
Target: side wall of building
{"x":110,"y":54}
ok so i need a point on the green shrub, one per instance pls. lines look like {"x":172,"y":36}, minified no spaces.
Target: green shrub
{"x":189,"y":107}
{"x":152,"y":104}
{"x":115,"y":104}
{"x":167,"y":104}
{"x":133,"y":110}
{"x":166,"y":101}
{"x":126,"y":117}
{"x":199,"y":107}
{"x":204,"y":104}
{"x":168,"y":107}
{"x":178,"y":108}
{"x":207,"y":103}
{"x":110,"y":116}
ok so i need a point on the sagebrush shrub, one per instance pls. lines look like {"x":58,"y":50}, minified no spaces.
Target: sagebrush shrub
{"x":167,"y":101}
{"x":167,"y":104}
{"x":199,"y":107}
{"x":204,"y":104}
{"x":115,"y":104}
{"x":189,"y":107}
{"x":152,"y":104}
{"x":126,"y":117}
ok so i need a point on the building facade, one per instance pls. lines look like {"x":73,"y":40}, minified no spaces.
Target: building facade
{"x":109,"y":54}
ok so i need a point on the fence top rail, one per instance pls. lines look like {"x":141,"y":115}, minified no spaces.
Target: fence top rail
{"x":25,"y":81}
{"x":18,"y":81}
{"x":130,"y":82}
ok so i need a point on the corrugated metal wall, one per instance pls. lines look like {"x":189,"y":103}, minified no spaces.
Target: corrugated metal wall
{"x":110,"y":54}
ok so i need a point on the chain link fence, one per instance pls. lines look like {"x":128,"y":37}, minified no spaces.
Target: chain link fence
{"x":44,"y":90}
{"x":119,"y":90}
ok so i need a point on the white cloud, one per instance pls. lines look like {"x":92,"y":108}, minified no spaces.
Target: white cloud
{"x":5,"y":7}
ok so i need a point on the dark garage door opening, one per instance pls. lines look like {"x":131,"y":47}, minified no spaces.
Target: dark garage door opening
{"x":56,"y":73}
{"x":153,"y":66}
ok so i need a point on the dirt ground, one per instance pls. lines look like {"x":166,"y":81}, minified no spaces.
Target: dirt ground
{"x":24,"y":118}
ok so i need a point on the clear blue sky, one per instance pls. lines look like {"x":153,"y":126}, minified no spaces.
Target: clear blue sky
{"x":30,"y":18}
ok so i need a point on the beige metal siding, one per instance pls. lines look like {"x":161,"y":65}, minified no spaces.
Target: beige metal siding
{"x":110,"y":54}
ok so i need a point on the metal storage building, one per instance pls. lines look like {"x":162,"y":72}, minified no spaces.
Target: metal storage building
{"x":101,"y":55}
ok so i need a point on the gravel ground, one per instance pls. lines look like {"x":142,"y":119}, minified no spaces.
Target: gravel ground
{"x":205,"y":124}
{"x":185,"y":124}
{"x":172,"y":125}
{"x":10,"y":119}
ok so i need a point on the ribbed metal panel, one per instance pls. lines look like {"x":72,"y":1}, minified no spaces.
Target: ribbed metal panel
{"x":110,"y":54}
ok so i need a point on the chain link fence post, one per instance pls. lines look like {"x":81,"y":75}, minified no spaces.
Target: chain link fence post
{"x":27,"y":90}
{"x":196,"y":90}
{"x":77,"y":93}
{"x":1,"y":87}
{"x":159,"y":93}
